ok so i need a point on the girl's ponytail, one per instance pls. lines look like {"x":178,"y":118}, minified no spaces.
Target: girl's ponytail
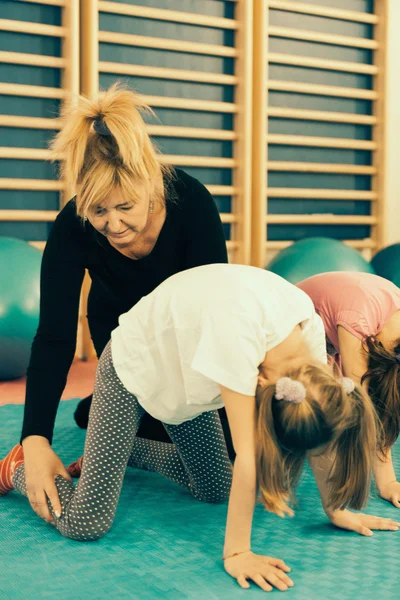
{"x":354,"y":451}
{"x":383,"y":381}
{"x":271,"y":480}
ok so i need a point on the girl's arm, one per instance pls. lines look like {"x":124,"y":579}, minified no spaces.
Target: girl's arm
{"x":354,"y":360}
{"x":385,"y":479}
{"x":363,"y":524}
{"x":355,"y":364}
{"x":240,"y":411}
{"x":240,"y":562}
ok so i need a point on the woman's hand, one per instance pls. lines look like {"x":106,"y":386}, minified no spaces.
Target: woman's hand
{"x":265,"y":571}
{"x":362,"y":524}
{"x":42,"y":465}
{"x":391,"y":492}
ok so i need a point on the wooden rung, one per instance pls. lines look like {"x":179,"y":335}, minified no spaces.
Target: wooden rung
{"x":29,"y":122}
{"x":321,"y":90}
{"x":144,"y":41}
{"x":28,"y":215}
{"x":320,"y":63}
{"x":229,"y":218}
{"x":323,"y":38}
{"x":49,"y":2}
{"x":162,"y":73}
{"x":46,"y":185}
{"x":37,"y":60}
{"x":25,"y":153}
{"x":158,"y":14}
{"x":32,"y":28}
{"x":191,"y":132}
{"x":198,"y":161}
{"x":36,"y":91}
{"x":222,"y":190}
{"x":323,"y":11}
{"x":357,"y":244}
{"x":39,"y":245}
{"x":320,"y":142}
{"x":322,"y":194}
{"x":321,"y":219}
{"x":189,"y":104}
{"x":319,"y":115}
{"x":231,"y":245}
{"x":310,"y":167}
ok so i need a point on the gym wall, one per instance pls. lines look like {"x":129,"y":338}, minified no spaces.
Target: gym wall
{"x":276,"y":106}
{"x":318,"y":104}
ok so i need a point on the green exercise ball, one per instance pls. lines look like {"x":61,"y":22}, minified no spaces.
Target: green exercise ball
{"x":387,"y":263}
{"x":316,"y":255}
{"x":19,"y":304}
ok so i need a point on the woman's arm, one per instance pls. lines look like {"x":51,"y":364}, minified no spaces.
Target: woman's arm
{"x":240,"y":562}
{"x":54,"y":344}
{"x":52,"y":353}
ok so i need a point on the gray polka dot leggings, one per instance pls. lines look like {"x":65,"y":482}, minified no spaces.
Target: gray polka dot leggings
{"x":197,"y":458}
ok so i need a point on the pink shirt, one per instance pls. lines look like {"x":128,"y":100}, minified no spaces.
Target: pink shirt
{"x":361,"y":302}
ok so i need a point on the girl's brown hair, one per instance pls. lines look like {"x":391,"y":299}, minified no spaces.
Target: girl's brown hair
{"x":94,"y":164}
{"x":285,"y":431}
{"x":383,"y":381}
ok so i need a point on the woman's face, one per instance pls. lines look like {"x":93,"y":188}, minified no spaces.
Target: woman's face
{"x":119,"y":220}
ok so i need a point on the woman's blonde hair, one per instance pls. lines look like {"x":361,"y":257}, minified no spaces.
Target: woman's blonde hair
{"x":286,"y":431}
{"x":95,"y":163}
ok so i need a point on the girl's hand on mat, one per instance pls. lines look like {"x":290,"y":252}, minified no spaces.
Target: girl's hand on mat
{"x":42,"y":465}
{"x":362,"y":524}
{"x":391,"y":492}
{"x":265,"y":571}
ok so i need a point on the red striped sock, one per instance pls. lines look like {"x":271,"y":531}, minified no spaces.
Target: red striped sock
{"x":75,"y":468}
{"x":8,"y":465}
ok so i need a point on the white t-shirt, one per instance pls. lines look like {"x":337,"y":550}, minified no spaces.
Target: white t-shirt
{"x":203,"y":327}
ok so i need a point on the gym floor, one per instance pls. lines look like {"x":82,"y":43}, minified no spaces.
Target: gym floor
{"x":164,"y":544}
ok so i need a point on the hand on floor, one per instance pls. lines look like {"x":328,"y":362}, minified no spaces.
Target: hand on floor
{"x":42,"y":466}
{"x":362,"y":524}
{"x":391,"y":492}
{"x":265,"y":571}
{"x":75,"y":468}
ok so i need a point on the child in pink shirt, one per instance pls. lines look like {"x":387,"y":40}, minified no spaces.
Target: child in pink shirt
{"x":361,"y":315}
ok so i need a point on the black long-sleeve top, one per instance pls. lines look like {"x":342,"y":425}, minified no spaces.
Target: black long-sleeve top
{"x":192,"y":235}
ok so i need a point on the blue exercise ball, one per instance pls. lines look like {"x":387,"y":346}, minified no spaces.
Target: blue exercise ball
{"x":316,"y":255}
{"x":387,"y":263}
{"x":19,"y":304}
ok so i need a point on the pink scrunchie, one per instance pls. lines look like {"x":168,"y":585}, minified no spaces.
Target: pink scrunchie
{"x":290,"y":390}
{"x":347,"y":384}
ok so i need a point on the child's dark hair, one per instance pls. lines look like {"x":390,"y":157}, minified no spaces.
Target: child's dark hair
{"x":328,"y":416}
{"x":383,"y":381}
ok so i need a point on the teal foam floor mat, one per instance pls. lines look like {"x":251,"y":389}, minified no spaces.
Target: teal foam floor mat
{"x":165,"y":544}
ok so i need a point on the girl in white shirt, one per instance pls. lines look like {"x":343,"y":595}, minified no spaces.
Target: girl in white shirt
{"x":213,"y":336}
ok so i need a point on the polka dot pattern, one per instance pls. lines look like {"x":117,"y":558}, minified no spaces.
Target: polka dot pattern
{"x":197,"y":459}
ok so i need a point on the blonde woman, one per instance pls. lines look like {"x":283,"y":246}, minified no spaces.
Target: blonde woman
{"x":256,"y":347}
{"x":133,"y":223}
